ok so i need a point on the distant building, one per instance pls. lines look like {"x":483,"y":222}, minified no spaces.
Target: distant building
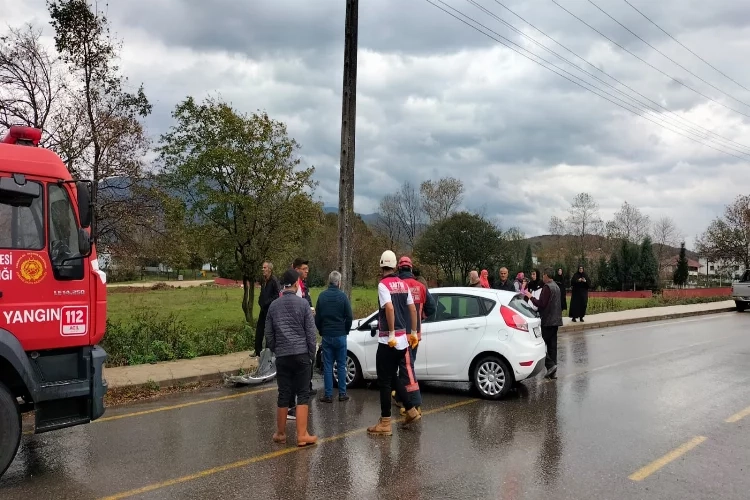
{"x":668,"y":267}
{"x":720,"y":269}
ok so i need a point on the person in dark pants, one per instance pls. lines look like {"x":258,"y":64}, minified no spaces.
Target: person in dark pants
{"x":269,"y":291}
{"x":579,"y":296}
{"x":424,"y":303}
{"x":333,"y":317}
{"x":396,"y":315}
{"x":302,"y":267}
{"x":551,"y":314}
{"x":290,"y":334}
{"x":561,"y":284}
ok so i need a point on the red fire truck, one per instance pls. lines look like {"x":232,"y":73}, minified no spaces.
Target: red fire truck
{"x":53,"y":303}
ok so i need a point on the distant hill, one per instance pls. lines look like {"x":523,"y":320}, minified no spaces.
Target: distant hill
{"x":367,"y":218}
{"x":550,"y":240}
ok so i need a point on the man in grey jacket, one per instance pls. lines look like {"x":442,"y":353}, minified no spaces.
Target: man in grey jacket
{"x":548,"y":304}
{"x":290,"y":334}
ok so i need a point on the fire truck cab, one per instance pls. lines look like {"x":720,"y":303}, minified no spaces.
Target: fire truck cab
{"x":52,"y":295}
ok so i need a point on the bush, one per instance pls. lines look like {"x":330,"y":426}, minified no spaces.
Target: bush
{"x":149,"y":338}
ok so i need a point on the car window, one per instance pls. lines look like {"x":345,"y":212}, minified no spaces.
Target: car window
{"x":518,"y":304}
{"x":489,"y":305}
{"x":450,"y":307}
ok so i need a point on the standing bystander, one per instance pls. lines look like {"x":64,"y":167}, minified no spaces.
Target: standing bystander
{"x":269,"y":291}
{"x":290,"y":334}
{"x":333,"y":317}
{"x":551,"y":314}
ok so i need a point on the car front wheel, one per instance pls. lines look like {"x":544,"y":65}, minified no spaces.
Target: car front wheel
{"x":491,"y":378}
{"x":353,"y":371}
{"x":741,"y":306}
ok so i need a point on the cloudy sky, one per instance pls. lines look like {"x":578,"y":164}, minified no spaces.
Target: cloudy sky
{"x":437,"y":98}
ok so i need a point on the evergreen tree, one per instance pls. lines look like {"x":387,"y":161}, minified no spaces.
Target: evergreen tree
{"x":629,"y":265}
{"x":528,"y":262}
{"x":648,"y":267}
{"x":603,"y":277}
{"x":615,"y":273}
{"x":680,"y":276}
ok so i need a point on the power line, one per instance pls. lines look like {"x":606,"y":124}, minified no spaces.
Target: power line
{"x":625,"y":107}
{"x":651,"y":65}
{"x":697,"y":129}
{"x":686,"y":48}
{"x":665,"y":55}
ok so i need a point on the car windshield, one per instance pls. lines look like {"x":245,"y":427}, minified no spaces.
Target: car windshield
{"x":518,"y":304}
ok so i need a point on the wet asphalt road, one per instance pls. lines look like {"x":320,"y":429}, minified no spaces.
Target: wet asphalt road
{"x":626,"y":398}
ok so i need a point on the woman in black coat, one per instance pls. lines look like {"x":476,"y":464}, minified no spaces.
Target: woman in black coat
{"x":580,"y":294}
{"x":562,"y":285}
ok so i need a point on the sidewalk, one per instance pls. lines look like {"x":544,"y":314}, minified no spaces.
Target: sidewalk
{"x":213,"y":368}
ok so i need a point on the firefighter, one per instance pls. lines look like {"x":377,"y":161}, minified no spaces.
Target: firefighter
{"x":396,"y":315}
{"x":425,"y":306}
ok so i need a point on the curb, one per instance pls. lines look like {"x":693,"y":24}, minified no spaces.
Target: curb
{"x":646,"y":319}
{"x":183,"y":381}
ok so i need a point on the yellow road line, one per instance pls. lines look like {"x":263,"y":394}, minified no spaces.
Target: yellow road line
{"x":261,"y":458}
{"x":673,"y":455}
{"x":738,"y":416}
{"x":176,"y":407}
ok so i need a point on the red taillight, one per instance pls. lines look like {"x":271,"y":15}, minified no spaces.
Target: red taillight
{"x":526,"y":363}
{"x":513,"y":319}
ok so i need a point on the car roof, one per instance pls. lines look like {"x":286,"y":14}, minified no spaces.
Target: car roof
{"x":470,"y":290}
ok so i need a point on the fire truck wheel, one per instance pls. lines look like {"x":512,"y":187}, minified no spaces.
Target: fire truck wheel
{"x":10,"y":428}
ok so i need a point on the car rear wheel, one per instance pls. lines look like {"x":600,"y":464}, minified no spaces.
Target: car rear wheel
{"x":10,"y":428}
{"x":491,"y":378}
{"x":741,"y":306}
{"x":353,"y":371}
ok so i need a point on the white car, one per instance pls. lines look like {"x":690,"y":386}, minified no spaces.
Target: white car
{"x":490,"y":338}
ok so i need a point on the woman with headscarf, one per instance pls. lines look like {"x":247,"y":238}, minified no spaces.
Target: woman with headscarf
{"x":562,"y":285}
{"x":520,"y":283}
{"x":484,"y":282}
{"x":580,"y":294}
{"x":536,"y":281}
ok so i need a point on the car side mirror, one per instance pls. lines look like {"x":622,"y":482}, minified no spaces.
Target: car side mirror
{"x":373,"y":329}
{"x":359,"y":323}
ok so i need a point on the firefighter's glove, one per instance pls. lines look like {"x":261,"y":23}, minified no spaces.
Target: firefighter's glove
{"x":392,"y":339}
{"x":413,"y":340}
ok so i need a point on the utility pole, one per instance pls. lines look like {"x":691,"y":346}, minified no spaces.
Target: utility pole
{"x":348,"y":127}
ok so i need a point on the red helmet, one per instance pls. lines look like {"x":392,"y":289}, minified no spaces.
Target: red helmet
{"x":404,"y":262}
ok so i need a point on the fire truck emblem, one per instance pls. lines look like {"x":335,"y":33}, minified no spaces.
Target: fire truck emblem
{"x":31,"y":268}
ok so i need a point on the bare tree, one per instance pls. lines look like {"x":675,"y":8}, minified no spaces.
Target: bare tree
{"x":557,"y":229}
{"x":409,"y":213}
{"x":388,"y":223}
{"x":30,"y":81}
{"x":442,"y":198}
{"x":665,"y":234}
{"x":583,"y":221}
{"x":629,"y":224}
{"x":727,"y":238}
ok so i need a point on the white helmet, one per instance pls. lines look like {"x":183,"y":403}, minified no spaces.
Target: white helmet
{"x":388,"y":259}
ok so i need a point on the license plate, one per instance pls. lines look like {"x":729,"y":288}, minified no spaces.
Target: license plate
{"x":537,"y":332}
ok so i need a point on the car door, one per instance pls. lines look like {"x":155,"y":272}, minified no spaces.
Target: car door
{"x":452,"y":334}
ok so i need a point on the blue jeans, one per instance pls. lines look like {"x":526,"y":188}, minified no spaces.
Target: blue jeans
{"x":334,"y":349}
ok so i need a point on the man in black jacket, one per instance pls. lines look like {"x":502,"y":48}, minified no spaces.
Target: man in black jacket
{"x":505,"y":283}
{"x":548,"y":304}
{"x":269,"y":291}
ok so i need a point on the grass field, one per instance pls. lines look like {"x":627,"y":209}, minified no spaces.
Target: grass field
{"x":146,"y":326}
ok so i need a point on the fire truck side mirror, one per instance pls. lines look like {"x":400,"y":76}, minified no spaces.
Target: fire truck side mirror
{"x":84,"y":203}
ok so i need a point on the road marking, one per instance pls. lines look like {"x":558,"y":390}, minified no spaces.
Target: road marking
{"x":176,"y":407}
{"x":673,"y":455}
{"x":264,"y":457}
{"x":183,"y":405}
{"x":738,"y":416}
